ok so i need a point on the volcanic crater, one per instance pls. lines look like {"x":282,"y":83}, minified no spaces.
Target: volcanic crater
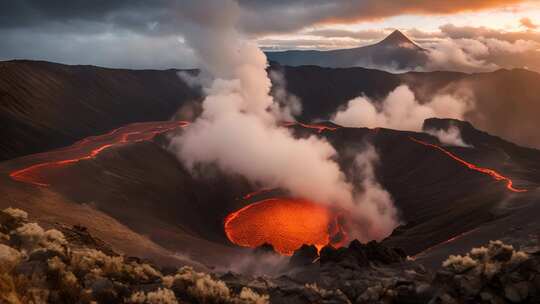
{"x":213,"y":216}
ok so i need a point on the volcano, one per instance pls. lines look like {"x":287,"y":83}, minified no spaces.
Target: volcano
{"x":395,"y":52}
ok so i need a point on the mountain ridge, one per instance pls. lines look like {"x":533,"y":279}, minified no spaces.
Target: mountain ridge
{"x":395,"y":52}
{"x":30,"y":89}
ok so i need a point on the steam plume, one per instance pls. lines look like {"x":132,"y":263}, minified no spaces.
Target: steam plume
{"x":377,"y":203}
{"x":399,"y":110}
{"x":450,"y":137}
{"x":239,"y":132}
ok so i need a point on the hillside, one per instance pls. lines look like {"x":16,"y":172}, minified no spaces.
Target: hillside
{"x":506,"y":102}
{"x":47,"y":105}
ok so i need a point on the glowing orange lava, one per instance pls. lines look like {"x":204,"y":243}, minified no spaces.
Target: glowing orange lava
{"x":90,"y":147}
{"x":494,"y":174}
{"x":287,"y":224}
{"x":320,"y":128}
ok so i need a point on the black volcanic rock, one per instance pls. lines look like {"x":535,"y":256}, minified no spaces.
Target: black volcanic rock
{"x":305,"y":255}
{"x":361,"y":255}
{"x":79,"y":235}
{"x":265,"y":248}
{"x":445,"y":124}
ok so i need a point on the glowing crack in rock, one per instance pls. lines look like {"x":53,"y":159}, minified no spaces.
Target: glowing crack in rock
{"x":318,"y":127}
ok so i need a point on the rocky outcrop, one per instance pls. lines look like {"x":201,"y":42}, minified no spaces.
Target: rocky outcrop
{"x":69,"y":265}
{"x":305,"y":255}
{"x":496,"y":273}
{"x":46,"y":266}
{"x":362,"y":254}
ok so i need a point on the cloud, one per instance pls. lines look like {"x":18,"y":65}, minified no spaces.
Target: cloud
{"x":399,"y":110}
{"x":360,"y":35}
{"x":306,"y":43}
{"x":454,"y":48}
{"x":286,"y":106}
{"x":116,"y":49}
{"x":255,"y":16}
{"x":135,"y":34}
{"x":458,"y":55}
{"x":286,"y":16}
{"x":528,"y":23}
{"x":472,"y":32}
{"x":482,"y":54}
{"x":375,"y":202}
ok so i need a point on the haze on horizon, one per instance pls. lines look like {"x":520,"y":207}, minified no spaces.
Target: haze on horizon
{"x":143,"y":34}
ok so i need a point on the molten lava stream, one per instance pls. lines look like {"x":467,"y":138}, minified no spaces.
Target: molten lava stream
{"x":494,"y":174}
{"x":286,"y":224}
{"x":89,"y":148}
{"x":318,"y":127}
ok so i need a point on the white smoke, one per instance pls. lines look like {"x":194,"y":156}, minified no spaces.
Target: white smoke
{"x":399,"y":110}
{"x":479,"y":54}
{"x":239,"y":132}
{"x":375,"y":201}
{"x":450,"y":137}
{"x":286,"y":105}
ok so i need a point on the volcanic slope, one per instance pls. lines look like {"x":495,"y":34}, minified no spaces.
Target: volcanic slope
{"x":140,"y":186}
{"x":46,"y":105}
{"x":395,"y":52}
{"x":506,"y":102}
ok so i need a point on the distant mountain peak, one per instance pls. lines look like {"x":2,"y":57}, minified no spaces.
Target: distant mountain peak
{"x":397,"y":38}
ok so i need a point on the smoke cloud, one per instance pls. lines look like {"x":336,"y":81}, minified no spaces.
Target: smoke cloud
{"x":399,"y":110}
{"x":239,"y":132}
{"x":286,"y":105}
{"x":481,"y":54}
{"x":450,"y":137}
{"x":376,"y":202}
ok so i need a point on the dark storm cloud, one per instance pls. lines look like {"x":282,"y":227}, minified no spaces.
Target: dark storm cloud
{"x":90,"y":16}
{"x":119,"y":33}
{"x":260,"y":16}
{"x":257,"y":15}
{"x":148,"y":34}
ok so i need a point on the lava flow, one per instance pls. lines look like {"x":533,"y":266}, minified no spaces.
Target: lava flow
{"x":494,"y":174}
{"x":320,"y":128}
{"x":90,"y":147}
{"x":286,"y":224}
{"x":450,"y":240}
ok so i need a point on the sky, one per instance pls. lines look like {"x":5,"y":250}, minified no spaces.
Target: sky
{"x":474,"y":35}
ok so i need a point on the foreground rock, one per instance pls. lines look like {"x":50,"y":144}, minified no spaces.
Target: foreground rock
{"x":48,"y":266}
{"x":70,"y":266}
